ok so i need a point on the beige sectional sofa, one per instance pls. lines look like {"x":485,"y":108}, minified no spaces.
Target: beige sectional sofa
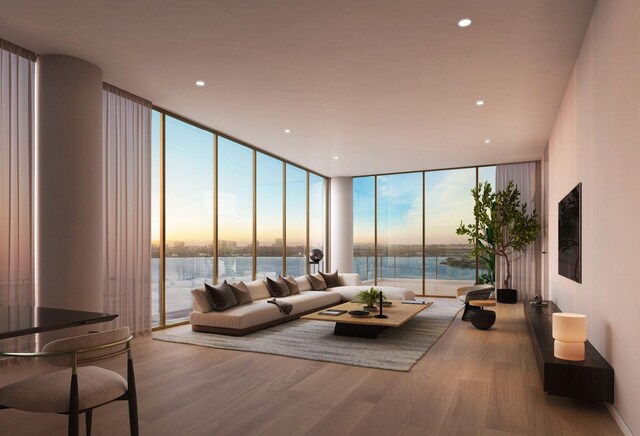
{"x":259,"y":314}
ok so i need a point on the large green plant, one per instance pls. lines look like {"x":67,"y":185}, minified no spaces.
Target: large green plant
{"x":502,"y":225}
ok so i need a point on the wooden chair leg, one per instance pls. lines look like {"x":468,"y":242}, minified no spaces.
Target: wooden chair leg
{"x":74,"y":413}
{"x":88,"y":417}
{"x":133,"y":399}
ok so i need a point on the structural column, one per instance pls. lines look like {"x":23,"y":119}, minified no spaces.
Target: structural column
{"x":341,"y":224}
{"x":70,"y":254}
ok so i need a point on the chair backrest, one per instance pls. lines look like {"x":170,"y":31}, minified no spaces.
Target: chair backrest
{"x":481,"y":292}
{"x":110,"y":340}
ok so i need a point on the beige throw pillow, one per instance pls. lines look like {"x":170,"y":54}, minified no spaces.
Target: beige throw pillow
{"x":292,"y":284}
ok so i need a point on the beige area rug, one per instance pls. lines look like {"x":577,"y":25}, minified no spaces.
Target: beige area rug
{"x":396,"y":349}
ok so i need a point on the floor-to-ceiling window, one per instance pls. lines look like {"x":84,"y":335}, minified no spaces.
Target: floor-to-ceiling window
{"x":269,"y":216}
{"x":222,"y":210}
{"x":235,"y":211}
{"x":364,"y":228}
{"x":296,"y":222}
{"x":486,"y":267}
{"x":318,"y":216}
{"x":156,"y":161}
{"x":448,"y":201}
{"x":405,"y":229}
{"x":399,"y":230}
{"x":189,"y":174}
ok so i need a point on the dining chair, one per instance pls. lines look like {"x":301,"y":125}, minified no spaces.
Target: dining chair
{"x":77,"y":389}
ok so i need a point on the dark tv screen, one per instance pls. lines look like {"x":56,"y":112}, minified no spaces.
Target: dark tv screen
{"x":570,"y":235}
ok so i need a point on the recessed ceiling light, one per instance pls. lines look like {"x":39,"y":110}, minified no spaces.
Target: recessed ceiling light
{"x":479,"y":102}
{"x":287,"y":131}
{"x":336,"y":157}
{"x":487,"y":141}
{"x":200,"y":83}
{"x":465,"y":22}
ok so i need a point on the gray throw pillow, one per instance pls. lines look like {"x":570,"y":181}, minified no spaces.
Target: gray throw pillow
{"x":292,"y":284}
{"x":241,"y":292}
{"x":317,"y":282}
{"x":221,"y":296}
{"x":277,"y":288}
{"x":200,"y":295}
{"x":331,"y":280}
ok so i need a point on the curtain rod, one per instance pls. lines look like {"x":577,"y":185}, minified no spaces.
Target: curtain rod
{"x":17,"y":50}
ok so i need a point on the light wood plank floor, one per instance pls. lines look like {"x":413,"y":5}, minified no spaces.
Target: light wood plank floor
{"x":471,"y":382}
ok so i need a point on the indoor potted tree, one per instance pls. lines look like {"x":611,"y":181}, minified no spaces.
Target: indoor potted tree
{"x":502,"y":227}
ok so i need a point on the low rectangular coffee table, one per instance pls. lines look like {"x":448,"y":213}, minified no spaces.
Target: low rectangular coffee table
{"x":370,"y":327}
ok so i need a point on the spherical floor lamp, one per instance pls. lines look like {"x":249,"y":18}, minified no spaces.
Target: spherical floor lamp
{"x":315,"y":256}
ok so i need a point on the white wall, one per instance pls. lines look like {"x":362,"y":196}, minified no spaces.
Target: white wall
{"x":596,"y":141}
{"x":341,"y":244}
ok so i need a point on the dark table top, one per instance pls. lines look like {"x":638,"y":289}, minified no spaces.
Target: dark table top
{"x":27,"y":320}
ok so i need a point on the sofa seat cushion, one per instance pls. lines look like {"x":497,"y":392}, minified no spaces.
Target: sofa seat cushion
{"x":348,"y":293}
{"x":260,"y":312}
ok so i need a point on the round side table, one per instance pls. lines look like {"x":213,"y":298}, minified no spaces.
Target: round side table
{"x":482,"y":319}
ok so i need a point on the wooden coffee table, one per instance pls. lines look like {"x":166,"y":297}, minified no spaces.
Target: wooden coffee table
{"x":370,"y":327}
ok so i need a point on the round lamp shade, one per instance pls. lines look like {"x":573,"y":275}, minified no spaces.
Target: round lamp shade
{"x":316,"y":255}
{"x":569,"y":327}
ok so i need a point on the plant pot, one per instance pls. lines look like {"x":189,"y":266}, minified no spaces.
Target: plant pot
{"x":369,"y":308}
{"x":507,"y":296}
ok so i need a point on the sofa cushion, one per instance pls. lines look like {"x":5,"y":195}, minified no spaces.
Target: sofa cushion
{"x":200,"y":300}
{"x":260,"y":312}
{"x":221,"y":296}
{"x":292,"y":284}
{"x":332,"y":280}
{"x":317,"y":282}
{"x":303,"y":283}
{"x":278,"y":288}
{"x":349,"y":279}
{"x":258,"y":289}
{"x":241,"y":292}
{"x":348,"y":293}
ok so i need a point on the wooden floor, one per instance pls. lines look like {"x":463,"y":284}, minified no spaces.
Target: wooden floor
{"x":471,"y":382}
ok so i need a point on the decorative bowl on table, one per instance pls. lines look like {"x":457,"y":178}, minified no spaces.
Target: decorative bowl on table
{"x":359,"y":313}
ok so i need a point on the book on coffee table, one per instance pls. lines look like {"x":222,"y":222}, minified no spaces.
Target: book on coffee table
{"x":333,"y":312}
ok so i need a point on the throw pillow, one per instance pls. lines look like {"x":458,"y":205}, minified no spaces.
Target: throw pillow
{"x":292,"y":284}
{"x":331,"y":280}
{"x":317,"y":282}
{"x":277,"y":288}
{"x":241,"y":292}
{"x":221,"y":296}
{"x":200,"y":296}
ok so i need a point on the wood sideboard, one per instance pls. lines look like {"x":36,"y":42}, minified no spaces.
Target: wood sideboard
{"x":590,"y":380}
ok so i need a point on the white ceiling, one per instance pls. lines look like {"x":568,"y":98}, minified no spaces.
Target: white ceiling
{"x":385,"y":85}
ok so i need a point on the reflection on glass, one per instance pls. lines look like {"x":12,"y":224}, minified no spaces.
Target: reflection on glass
{"x":317,"y":216}
{"x":364,"y":228}
{"x":269,"y":202}
{"x":448,"y":200}
{"x":155,"y":217}
{"x":296,"y":221}
{"x":235,"y":211}
{"x":189,"y":214}
{"x":400,"y":230}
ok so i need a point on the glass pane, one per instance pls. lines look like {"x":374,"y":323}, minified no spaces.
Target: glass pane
{"x":364,"y":228}
{"x":296,"y":221}
{"x":317,"y":218}
{"x":155,"y":217}
{"x":400,"y":231}
{"x":189,"y":214}
{"x":448,"y":201}
{"x":486,"y":267}
{"x":269,"y":202}
{"x":235,"y":211}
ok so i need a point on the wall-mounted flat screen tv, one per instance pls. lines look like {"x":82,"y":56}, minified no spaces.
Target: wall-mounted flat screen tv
{"x":570,"y":235}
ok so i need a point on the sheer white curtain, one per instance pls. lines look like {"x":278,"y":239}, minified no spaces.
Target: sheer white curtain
{"x":127,"y":147}
{"x":524,"y":267}
{"x":17,"y":78}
